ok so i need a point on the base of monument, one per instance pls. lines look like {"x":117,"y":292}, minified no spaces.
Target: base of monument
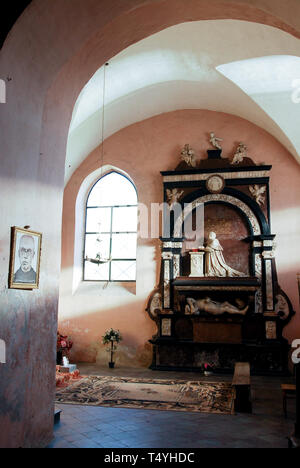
{"x":184,"y":355}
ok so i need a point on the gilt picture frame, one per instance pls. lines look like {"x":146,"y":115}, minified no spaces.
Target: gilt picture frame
{"x":25,"y":259}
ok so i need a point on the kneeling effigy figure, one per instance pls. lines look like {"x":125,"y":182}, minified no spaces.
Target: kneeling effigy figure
{"x":215,"y":264}
{"x":195,"y":307}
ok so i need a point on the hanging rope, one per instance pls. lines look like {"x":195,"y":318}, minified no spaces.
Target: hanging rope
{"x":98,"y":260}
{"x":103,"y":116}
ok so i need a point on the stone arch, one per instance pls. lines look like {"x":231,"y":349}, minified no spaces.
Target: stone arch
{"x":81,"y":35}
{"x":223,"y":198}
{"x":119,"y":31}
{"x":100,"y":36}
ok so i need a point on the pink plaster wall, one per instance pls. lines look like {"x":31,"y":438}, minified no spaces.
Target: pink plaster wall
{"x":51,"y":52}
{"x":143,"y":150}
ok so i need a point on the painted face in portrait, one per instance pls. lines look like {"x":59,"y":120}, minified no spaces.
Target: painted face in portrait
{"x":26,"y":252}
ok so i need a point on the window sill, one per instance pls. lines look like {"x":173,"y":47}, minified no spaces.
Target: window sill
{"x":102,"y":288}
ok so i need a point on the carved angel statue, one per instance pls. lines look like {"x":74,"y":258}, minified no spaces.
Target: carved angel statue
{"x":188,"y":156}
{"x":174,"y":196}
{"x":258,"y":193}
{"x":240,"y":154}
{"x":215,"y":264}
{"x":194,"y":307}
{"x":155,"y":305}
{"x":216,"y":142}
{"x":282,"y":308}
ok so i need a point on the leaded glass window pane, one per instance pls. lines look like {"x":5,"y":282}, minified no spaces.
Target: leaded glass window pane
{"x":125,"y":219}
{"x":94,"y":272}
{"x":111,"y":230}
{"x":113,"y":190}
{"x":123,"y":271}
{"x":123,"y":246}
{"x":97,"y":244}
{"x":98,"y":219}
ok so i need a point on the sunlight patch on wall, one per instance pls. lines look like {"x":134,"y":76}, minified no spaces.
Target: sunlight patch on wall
{"x":273,"y":82}
{"x":286,"y":224}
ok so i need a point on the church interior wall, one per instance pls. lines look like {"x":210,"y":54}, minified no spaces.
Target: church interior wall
{"x":142,"y":151}
{"x":46,"y":66}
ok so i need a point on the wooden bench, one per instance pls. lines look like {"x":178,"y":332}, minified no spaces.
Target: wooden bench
{"x":242,"y":385}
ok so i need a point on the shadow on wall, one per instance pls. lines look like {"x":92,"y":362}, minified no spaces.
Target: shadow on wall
{"x":86,"y":331}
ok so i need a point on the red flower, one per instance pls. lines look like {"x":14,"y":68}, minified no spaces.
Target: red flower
{"x":63,"y":342}
{"x":207,"y":366}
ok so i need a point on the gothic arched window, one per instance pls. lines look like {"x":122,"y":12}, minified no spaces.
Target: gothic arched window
{"x":111,"y":230}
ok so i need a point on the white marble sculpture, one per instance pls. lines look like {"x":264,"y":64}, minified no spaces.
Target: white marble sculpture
{"x":216,"y":142}
{"x":282,"y":308}
{"x":197,"y":264}
{"x":215,"y":264}
{"x":258,"y":193}
{"x":174,"y":196}
{"x":195,"y":307}
{"x":155,"y":306}
{"x":188,"y":156}
{"x":240,"y":154}
{"x":66,"y":361}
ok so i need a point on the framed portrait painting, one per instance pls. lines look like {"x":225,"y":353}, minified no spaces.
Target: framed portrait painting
{"x":25,"y":257}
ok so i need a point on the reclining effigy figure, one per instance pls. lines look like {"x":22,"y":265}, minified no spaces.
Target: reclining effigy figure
{"x":195,"y":307}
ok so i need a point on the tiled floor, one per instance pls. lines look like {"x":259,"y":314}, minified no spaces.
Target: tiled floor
{"x":93,"y":427}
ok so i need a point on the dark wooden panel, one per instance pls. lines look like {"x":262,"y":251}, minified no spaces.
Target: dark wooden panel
{"x":210,"y":332}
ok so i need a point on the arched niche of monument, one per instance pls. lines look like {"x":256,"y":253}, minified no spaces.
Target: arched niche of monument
{"x":231,"y":227}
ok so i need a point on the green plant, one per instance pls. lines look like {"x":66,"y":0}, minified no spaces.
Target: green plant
{"x":112,"y":337}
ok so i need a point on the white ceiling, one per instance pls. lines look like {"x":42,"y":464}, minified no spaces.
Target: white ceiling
{"x":246,"y":69}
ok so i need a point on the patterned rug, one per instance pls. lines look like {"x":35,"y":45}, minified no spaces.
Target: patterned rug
{"x":176,"y":395}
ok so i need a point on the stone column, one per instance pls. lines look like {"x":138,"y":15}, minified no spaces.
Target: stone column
{"x":171,"y":254}
{"x":167,"y":262}
{"x":268,"y":255}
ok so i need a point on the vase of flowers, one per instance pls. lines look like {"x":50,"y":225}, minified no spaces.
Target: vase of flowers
{"x":208,"y":369}
{"x":112,"y":338}
{"x":63,"y":347}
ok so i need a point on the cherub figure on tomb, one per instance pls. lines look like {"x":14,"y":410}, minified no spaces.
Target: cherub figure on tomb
{"x":188,"y":156}
{"x":258,"y":192}
{"x":174,"y":196}
{"x":240,"y":154}
{"x":216,"y":142}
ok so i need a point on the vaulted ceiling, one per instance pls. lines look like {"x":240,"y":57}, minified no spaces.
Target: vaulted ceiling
{"x":242,"y":68}
{"x":10,"y":12}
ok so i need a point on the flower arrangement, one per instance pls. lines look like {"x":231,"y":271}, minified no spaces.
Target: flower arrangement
{"x":63,"y":343}
{"x":63,"y":347}
{"x":208,"y":369}
{"x":112,"y":337}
